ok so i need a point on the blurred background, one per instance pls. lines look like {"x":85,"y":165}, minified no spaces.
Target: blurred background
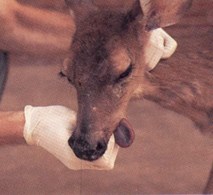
{"x":169,"y":154}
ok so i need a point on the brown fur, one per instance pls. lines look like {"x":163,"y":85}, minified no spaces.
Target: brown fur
{"x":184,"y":88}
{"x":95,"y":77}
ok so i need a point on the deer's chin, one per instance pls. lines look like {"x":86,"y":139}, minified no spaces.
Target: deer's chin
{"x":124,"y":134}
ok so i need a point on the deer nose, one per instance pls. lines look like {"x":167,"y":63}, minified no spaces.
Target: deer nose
{"x":85,"y":150}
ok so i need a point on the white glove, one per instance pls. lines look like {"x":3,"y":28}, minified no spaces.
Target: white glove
{"x":160,"y":46}
{"x":50,"y":127}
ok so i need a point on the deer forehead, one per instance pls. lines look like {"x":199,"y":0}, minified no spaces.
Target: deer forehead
{"x":102,"y":53}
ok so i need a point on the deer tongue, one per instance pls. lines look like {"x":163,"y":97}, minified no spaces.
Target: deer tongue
{"x":124,"y":134}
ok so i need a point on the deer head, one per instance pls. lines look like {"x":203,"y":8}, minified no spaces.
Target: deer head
{"x":106,"y":65}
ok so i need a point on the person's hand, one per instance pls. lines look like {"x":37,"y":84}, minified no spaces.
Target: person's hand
{"x":50,"y":127}
{"x":160,"y":46}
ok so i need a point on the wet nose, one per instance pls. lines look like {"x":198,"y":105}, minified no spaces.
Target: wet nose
{"x":85,"y":150}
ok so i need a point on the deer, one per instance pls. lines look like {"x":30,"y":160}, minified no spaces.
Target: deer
{"x":105,"y":43}
{"x":106,"y":66}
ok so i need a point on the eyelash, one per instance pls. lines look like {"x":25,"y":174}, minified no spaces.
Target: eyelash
{"x":125,"y":74}
{"x":62,"y":75}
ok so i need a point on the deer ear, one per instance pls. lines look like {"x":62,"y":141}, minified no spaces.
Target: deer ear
{"x":134,"y":13}
{"x":161,"y":13}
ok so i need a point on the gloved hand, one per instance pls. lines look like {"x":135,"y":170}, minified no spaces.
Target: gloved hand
{"x":160,"y":46}
{"x":50,"y":127}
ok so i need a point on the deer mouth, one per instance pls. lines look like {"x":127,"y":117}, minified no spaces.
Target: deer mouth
{"x":124,"y":134}
{"x":89,"y":150}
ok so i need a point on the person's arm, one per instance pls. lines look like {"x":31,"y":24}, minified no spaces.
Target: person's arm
{"x":11,"y":127}
{"x":33,"y":30}
{"x":50,"y":128}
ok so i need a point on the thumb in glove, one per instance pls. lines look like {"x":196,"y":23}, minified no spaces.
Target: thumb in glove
{"x":50,"y":127}
{"x":160,"y":46}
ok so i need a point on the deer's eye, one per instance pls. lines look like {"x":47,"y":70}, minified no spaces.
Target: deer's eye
{"x":125,"y":74}
{"x":61,"y":74}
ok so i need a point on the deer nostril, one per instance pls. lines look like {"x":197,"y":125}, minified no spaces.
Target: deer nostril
{"x":101,"y":146}
{"x":71,"y":142}
{"x":86,"y":151}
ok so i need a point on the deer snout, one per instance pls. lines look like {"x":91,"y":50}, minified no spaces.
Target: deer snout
{"x":87,"y":149}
